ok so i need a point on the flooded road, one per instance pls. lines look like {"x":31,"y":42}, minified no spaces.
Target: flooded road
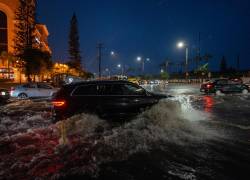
{"x":187,"y":136}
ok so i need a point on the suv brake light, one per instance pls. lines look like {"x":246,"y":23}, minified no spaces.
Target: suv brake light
{"x":59,"y":103}
{"x":209,"y":85}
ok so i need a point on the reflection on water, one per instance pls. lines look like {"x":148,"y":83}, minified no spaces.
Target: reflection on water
{"x":208,"y":103}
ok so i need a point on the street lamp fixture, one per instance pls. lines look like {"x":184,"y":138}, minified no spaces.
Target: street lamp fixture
{"x":112,"y":53}
{"x":108,"y":71}
{"x":142,"y":61}
{"x":180,"y":44}
{"x":138,"y":58}
{"x":122,"y":68}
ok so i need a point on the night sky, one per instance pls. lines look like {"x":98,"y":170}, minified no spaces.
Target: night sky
{"x":150,"y":28}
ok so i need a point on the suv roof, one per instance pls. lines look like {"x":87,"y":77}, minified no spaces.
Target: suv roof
{"x":97,"y":82}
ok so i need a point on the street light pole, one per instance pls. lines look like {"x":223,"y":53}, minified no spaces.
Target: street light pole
{"x":143,"y":66}
{"x":99,"y":56}
{"x":122,"y":68}
{"x":182,"y":45}
{"x":142,"y":61}
{"x":186,"y":62}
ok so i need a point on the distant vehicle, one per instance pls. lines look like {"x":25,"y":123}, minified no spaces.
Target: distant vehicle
{"x":32,"y":90}
{"x":117,"y":99}
{"x":248,"y":84}
{"x":119,"y":77}
{"x":142,"y":82}
{"x":4,"y":95}
{"x":219,"y":86}
{"x":153,"y":82}
{"x":133,"y":80}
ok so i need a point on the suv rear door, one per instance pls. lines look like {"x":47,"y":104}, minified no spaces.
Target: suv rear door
{"x":123,"y":98}
{"x":84,"y":98}
{"x":222,"y":84}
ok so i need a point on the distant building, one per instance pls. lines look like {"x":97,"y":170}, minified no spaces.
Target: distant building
{"x":41,"y":38}
{"x":7,"y":32}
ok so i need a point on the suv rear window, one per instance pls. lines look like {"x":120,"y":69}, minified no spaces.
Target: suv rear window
{"x":120,"y":89}
{"x":222,"y":81}
{"x":85,"y":90}
{"x":129,"y":89}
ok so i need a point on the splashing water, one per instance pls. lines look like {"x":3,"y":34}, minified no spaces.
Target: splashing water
{"x":166,"y":122}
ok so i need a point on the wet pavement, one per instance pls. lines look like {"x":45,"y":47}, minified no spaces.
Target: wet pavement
{"x":188,"y":136}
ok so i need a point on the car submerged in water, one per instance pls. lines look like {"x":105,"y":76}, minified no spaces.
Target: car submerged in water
{"x":107,"y":99}
{"x":220,"y":86}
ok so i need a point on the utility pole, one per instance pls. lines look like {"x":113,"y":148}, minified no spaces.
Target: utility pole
{"x":198,"y":51}
{"x":238,"y":63}
{"x":99,"y":57}
{"x":166,"y":65}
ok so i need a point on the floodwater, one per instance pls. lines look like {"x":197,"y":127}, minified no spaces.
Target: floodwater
{"x":187,"y":136}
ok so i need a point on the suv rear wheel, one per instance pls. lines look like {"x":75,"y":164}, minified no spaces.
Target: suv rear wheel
{"x":218,"y":92}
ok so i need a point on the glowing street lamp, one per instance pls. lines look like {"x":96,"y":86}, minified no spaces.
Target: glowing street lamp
{"x":184,"y":45}
{"x":112,"y":53}
{"x":180,"y":45}
{"x":122,"y":68}
{"x":138,"y":58}
{"x":142,"y":61}
{"x":108,"y":71}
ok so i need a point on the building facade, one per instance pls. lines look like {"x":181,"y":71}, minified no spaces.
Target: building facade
{"x":7,"y":35}
{"x":7,"y":24}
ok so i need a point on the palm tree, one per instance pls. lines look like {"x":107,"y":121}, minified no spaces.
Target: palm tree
{"x":207,"y":58}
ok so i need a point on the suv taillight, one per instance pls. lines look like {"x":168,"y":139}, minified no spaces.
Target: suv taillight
{"x":209,"y":86}
{"x":59,"y":103}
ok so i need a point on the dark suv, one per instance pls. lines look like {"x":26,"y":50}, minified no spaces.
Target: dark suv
{"x":104,"y":98}
{"x":219,"y":86}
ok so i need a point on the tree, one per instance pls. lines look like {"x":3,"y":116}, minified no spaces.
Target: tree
{"x":207,"y":58}
{"x":74,"y":45}
{"x":37,"y":62}
{"x":164,"y":75}
{"x":164,"y":65}
{"x":223,"y":65}
{"x":24,"y":26}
